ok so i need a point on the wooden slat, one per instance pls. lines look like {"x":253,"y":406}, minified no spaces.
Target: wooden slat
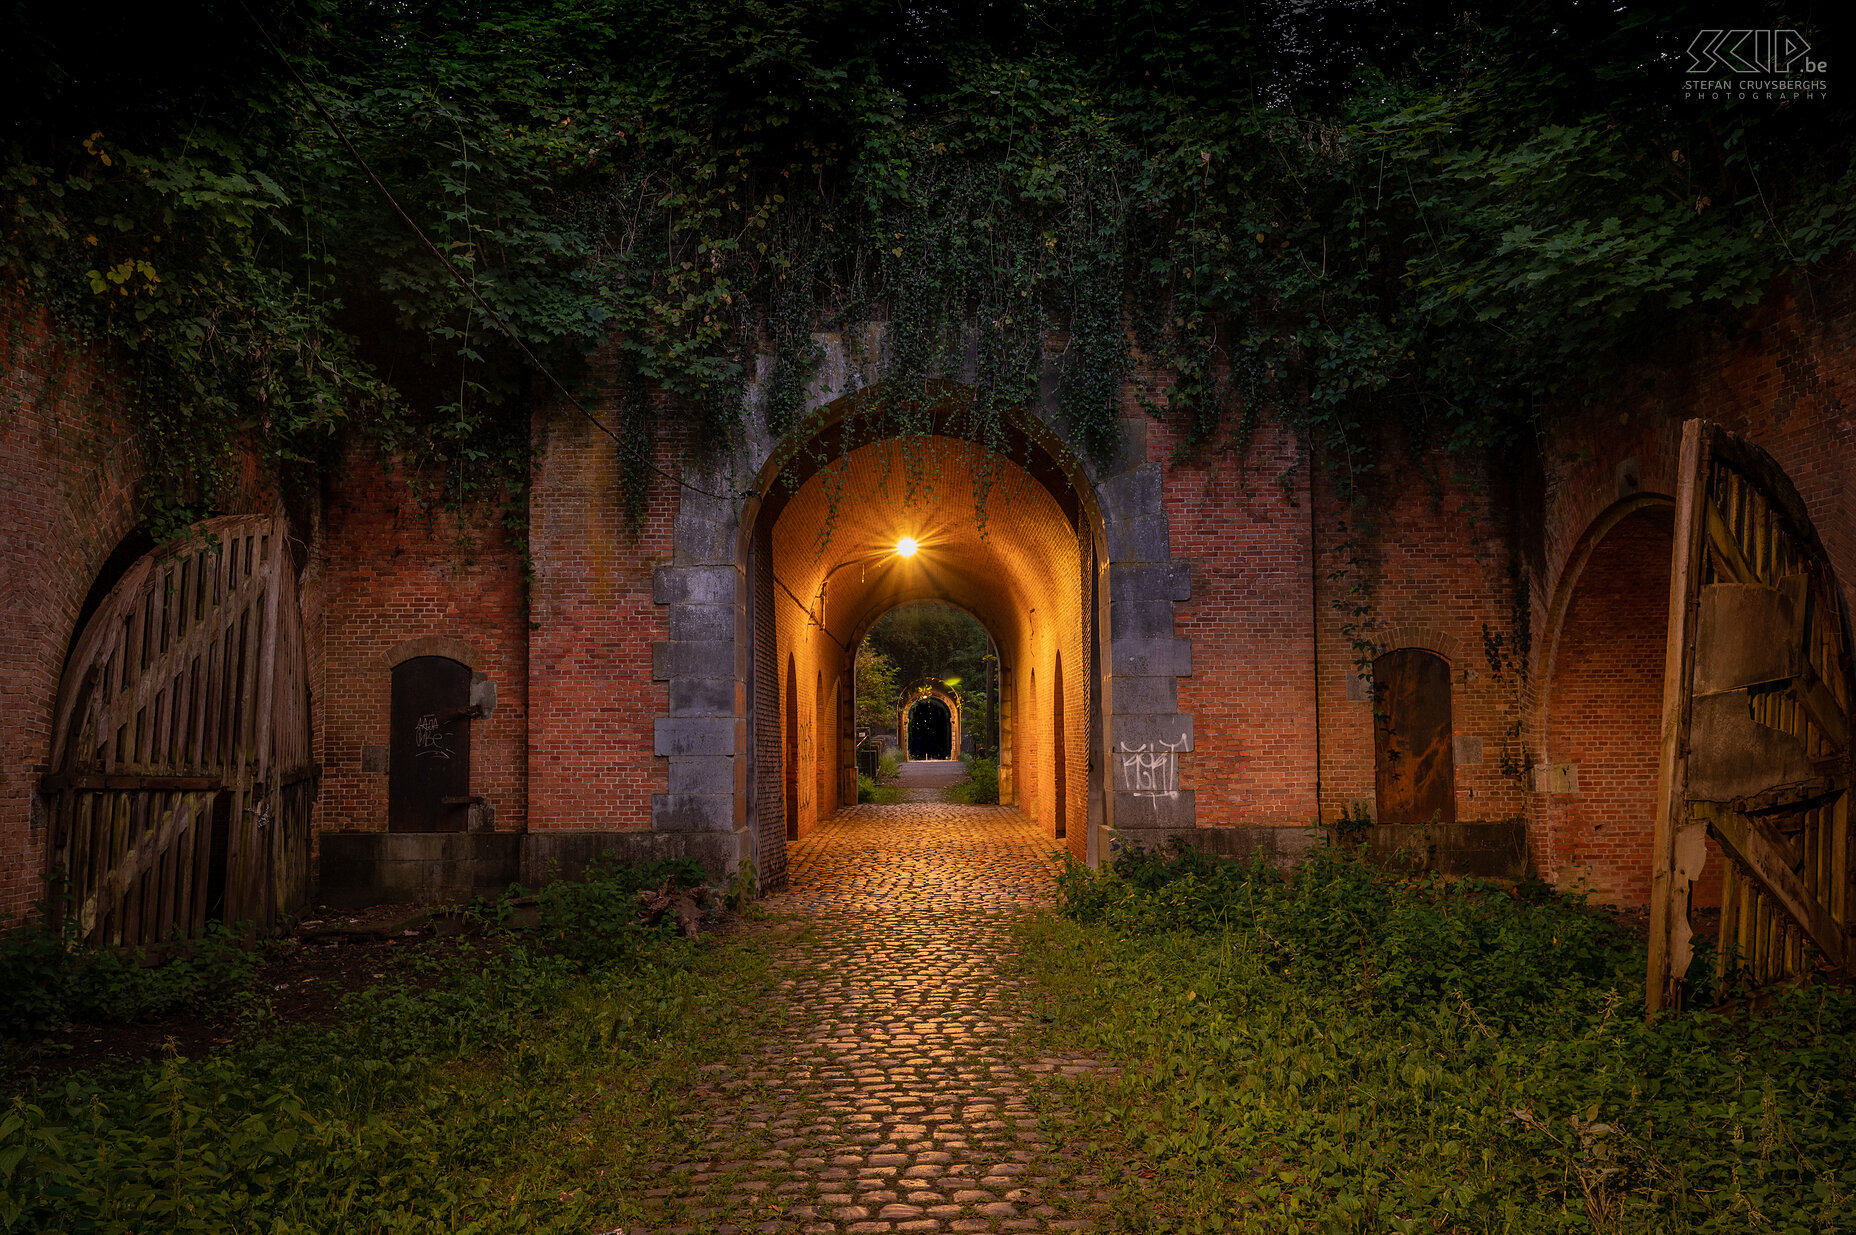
{"x":1668,"y":903}
{"x":1761,"y":851}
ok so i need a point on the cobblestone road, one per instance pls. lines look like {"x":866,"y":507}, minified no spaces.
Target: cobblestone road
{"x":894,"y":1098}
{"x":926,"y":780}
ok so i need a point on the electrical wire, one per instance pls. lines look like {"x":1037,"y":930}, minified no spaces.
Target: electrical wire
{"x":453,"y":271}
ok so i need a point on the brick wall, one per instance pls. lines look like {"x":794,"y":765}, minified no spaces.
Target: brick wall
{"x":395,"y":580}
{"x":68,"y":469}
{"x":595,"y":697}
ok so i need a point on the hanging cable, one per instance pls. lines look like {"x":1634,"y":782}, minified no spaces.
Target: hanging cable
{"x":452,"y":270}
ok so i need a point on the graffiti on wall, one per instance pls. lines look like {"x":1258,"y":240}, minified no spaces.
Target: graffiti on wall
{"x":1151,"y":769}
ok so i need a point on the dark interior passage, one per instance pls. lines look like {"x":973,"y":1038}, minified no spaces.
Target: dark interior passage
{"x":931,"y":730}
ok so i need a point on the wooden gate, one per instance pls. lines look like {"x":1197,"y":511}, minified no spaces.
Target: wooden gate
{"x":1756,"y":751}
{"x":182,"y":783}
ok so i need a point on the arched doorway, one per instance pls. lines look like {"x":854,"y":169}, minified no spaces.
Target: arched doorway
{"x":182,"y":779}
{"x":1604,"y":706}
{"x":890,"y":522}
{"x":930,"y":729}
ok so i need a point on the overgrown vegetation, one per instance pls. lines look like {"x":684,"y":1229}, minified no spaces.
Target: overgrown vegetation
{"x":981,"y":787}
{"x":444,"y":1099}
{"x":50,"y":980}
{"x":1428,"y":214}
{"x":1350,"y":1051}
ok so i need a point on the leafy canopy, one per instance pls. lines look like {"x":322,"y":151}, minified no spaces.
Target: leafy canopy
{"x":1422,"y":213}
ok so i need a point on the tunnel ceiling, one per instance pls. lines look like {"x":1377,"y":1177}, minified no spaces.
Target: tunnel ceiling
{"x":1027,"y":552}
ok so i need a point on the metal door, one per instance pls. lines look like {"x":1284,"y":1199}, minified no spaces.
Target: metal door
{"x":1756,"y":725}
{"x":428,"y":768}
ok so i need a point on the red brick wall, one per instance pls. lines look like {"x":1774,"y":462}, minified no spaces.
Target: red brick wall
{"x":594,"y":705}
{"x":68,"y":469}
{"x":391,"y":573}
{"x":1251,"y":693}
{"x":1604,"y":714}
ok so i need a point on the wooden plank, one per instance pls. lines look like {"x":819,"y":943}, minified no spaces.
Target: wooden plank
{"x":1761,"y":851}
{"x":1731,"y":560}
{"x":1668,"y":903}
{"x":1821,"y":707}
{"x":129,"y":782}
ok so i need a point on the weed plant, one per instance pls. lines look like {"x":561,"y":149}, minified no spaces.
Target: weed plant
{"x":50,"y":980}
{"x":1347,"y":1050}
{"x":981,"y":788}
{"x":880,"y":795}
{"x":450,"y":1098}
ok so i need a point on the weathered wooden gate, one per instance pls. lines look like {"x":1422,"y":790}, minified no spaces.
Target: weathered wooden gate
{"x":182,"y":783}
{"x":1756,"y":750}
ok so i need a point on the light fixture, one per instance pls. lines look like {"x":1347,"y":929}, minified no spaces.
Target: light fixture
{"x":907,"y":546}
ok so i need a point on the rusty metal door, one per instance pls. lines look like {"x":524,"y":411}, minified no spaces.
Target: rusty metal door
{"x":182,"y":784}
{"x":428,"y":757}
{"x":1756,"y":749}
{"x":1414,"y":766}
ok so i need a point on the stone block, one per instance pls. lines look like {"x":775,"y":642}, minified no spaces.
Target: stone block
{"x":692,"y":812}
{"x":1171,"y":580}
{"x":1143,"y":538}
{"x":682,"y":585}
{"x":704,"y":542}
{"x":1281,"y":847}
{"x":367,"y":868}
{"x":697,"y":735}
{"x":694,"y":696}
{"x":703,"y":774}
{"x":1146,"y":813}
{"x":1139,"y":695}
{"x":1466,"y":751}
{"x":1131,"y":732}
{"x":703,"y":623}
{"x":1131,"y":494}
{"x":1151,"y":657}
{"x":1140,"y":619}
{"x":698,"y":659}
{"x":1495,"y":849}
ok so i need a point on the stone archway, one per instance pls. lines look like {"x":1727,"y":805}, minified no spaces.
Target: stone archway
{"x":726,"y":596}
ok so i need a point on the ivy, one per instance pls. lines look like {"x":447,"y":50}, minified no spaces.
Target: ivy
{"x":1417,"y":217}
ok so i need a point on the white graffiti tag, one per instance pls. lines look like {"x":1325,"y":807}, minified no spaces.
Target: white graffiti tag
{"x":1151,"y":769}
{"x":429,"y":739}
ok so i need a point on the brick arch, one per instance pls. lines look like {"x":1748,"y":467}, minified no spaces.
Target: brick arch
{"x":1598,"y":715}
{"x":1132,"y":584}
{"x":1400,"y":636}
{"x":432,"y":645}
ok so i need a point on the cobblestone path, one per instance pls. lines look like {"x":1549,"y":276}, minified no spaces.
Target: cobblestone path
{"x":893,"y":1099}
{"x":923,"y":780}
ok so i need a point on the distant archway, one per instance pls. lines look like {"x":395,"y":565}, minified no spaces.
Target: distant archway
{"x":930,"y":727}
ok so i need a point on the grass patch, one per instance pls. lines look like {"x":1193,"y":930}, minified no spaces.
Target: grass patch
{"x":1350,"y":1051}
{"x":530,"y":1079}
{"x":880,"y":795}
{"x":981,"y":787}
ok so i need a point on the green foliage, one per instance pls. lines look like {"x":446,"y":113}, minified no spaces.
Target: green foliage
{"x":937,"y":641}
{"x":981,"y":788}
{"x":880,"y":795}
{"x":428,"y":1107}
{"x":1427,"y":215}
{"x":1346,"y":1050}
{"x":889,"y":765}
{"x":876,"y":690}
{"x":51,"y":980}
{"x":593,"y":921}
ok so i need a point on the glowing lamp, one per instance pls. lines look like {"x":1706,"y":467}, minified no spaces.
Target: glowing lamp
{"x":907,"y":546}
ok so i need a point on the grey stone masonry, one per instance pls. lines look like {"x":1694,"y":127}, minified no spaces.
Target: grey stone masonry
{"x":706,"y":659}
